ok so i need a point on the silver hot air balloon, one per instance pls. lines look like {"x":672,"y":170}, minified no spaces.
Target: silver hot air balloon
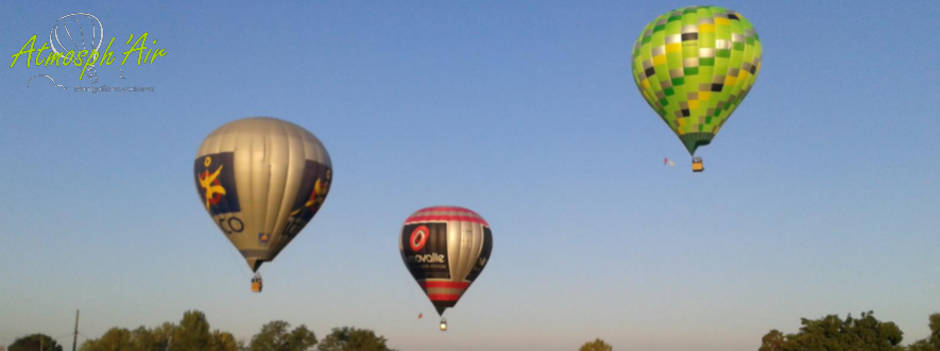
{"x":261,"y":180}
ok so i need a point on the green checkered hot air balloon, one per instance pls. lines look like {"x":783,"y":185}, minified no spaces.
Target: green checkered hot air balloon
{"x":694,"y":66}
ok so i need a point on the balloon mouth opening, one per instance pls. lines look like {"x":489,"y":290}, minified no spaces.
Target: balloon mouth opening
{"x":256,"y":264}
{"x":693,"y":140}
{"x":440,"y":306}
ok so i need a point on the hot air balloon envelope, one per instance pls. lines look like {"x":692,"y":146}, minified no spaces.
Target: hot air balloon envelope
{"x":694,"y":66}
{"x":445,"y":248}
{"x":261,"y":180}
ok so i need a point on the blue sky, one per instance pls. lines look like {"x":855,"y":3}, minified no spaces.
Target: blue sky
{"x":820,"y":194}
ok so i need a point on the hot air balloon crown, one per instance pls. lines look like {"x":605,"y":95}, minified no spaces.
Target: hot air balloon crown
{"x":694,"y":65}
{"x":445,"y":213}
{"x":257,"y":125}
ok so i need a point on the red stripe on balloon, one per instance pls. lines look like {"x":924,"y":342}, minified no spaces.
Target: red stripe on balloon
{"x":440,"y":284}
{"x":446,"y":218}
{"x":447,"y":208}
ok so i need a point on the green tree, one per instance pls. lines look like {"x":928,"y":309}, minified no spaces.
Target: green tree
{"x":920,"y":345}
{"x":33,"y":342}
{"x":115,"y":339}
{"x":833,"y":333}
{"x":773,"y":341}
{"x":143,"y":339}
{"x":352,"y":339}
{"x":223,"y":341}
{"x":162,"y":335}
{"x":274,"y":336}
{"x":932,"y":341}
{"x":935,"y":327}
{"x":192,"y":333}
{"x":596,"y":345}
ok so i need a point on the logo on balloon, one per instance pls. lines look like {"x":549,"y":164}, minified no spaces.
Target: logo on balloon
{"x":215,"y":181}
{"x":423,"y":248}
{"x":433,"y":257}
{"x":314,"y":187}
{"x":418,"y":238}
{"x":313,"y":193}
{"x":318,"y":195}
{"x":263,"y":238}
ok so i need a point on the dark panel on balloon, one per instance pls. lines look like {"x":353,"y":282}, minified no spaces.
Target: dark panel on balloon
{"x":424,"y":250}
{"x":484,"y":254}
{"x":314,"y":187}
{"x":215,"y":183}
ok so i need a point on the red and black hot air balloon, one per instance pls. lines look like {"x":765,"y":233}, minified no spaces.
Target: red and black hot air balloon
{"x":445,"y":248}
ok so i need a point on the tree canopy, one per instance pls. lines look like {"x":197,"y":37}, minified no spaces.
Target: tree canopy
{"x":596,"y":345}
{"x":932,"y":341}
{"x":274,"y":336}
{"x":193,"y":332}
{"x":352,"y":339}
{"x":833,"y":333}
{"x":33,"y":342}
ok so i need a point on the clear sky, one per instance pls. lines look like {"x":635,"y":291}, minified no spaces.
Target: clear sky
{"x":820,"y":194}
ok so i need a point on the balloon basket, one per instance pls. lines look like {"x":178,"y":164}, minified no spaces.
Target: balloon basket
{"x":256,"y":284}
{"x":697,"y":164}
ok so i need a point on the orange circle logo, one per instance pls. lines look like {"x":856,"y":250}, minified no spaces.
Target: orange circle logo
{"x":419,"y":237}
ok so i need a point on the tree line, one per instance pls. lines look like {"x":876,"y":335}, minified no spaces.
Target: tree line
{"x":867,"y":333}
{"x":194,"y":333}
{"x":832,"y":333}
{"x":829,"y":333}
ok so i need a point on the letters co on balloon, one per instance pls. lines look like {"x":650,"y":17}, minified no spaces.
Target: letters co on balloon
{"x":261,"y":180}
{"x":445,"y":248}
{"x":694,"y":66}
